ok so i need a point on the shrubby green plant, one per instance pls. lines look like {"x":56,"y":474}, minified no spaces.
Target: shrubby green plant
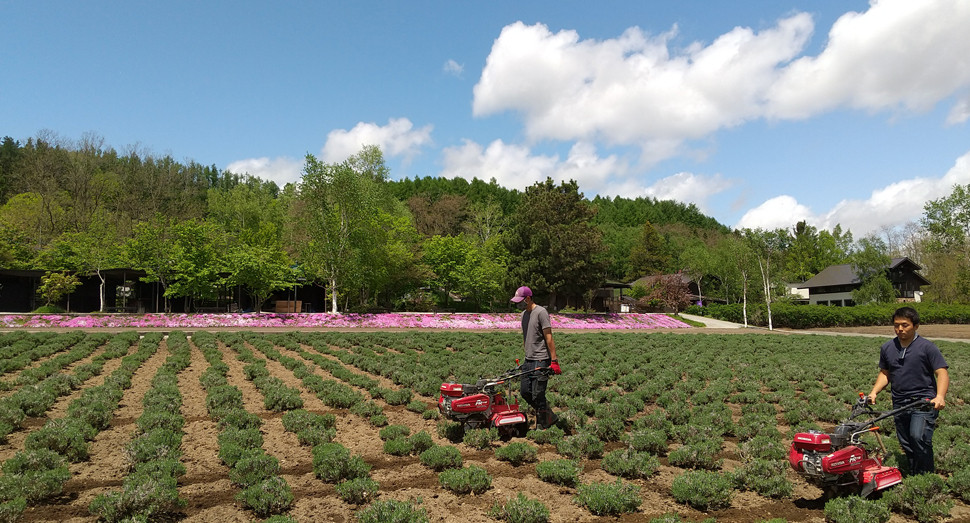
{"x":608,"y":499}
{"x":34,"y":475}
{"x":66,"y":436}
{"x":11,"y":511}
{"x":703,"y":490}
{"x":253,"y":468}
{"x":675,"y":518}
{"x":924,"y":497}
{"x":358,"y":491}
{"x":480,"y":439}
{"x":607,"y":429}
{"x":520,"y":509}
{"x":766,"y":477}
{"x":559,"y":471}
{"x":441,"y":457}
{"x":762,"y":447}
{"x":517,"y":453}
{"x":398,"y":447}
{"x":333,"y":463}
{"x":649,"y":440}
{"x":421,"y":442}
{"x":451,"y":431}
{"x":631,"y":464}
{"x":853,"y":509}
{"x":468,"y":480}
{"x":394,"y":432}
{"x":582,"y":445}
{"x":552,"y":435}
{"x":270,"y":496}
{"x":155,"y":445}
{"x":383,"y":511}
{"x":142,"y":496}
{"x":698,"y":454}
{"x":959,"y":484}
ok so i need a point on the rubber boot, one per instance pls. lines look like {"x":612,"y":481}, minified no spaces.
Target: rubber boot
{"x":546,"y":419}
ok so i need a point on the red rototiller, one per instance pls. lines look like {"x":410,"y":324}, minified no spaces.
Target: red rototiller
{"x":840,"y":462}
{"x":486,"y":403}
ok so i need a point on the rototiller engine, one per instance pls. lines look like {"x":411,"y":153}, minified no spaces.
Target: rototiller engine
{"x":486,"y":403}
{"x":841,"y":462}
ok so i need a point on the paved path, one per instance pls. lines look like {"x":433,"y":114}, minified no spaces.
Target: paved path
{"x":712,"y":323}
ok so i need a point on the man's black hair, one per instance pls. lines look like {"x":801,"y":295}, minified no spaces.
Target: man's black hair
{"x":908,"y":313}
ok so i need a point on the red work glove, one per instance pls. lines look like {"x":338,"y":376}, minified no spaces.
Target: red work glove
{"x":555,"y":367}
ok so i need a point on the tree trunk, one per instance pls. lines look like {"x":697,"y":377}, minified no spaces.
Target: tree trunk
{"x":333,"y":295}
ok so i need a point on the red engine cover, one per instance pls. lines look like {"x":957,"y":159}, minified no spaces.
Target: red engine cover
{"x":815,"y":441}
{"x":469,"y":404}
{"x":844,"y":460}
{"x":451,"y":389}
{"x":795,"y":458}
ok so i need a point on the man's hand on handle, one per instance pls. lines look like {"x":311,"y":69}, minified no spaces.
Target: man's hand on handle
{"x":555,"y":367}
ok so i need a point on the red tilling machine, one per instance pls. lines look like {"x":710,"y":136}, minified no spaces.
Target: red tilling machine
{"x":486,"y":404}
{"x":840,"y":462}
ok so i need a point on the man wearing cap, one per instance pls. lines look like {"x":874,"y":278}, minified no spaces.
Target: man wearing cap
{"x":540,"y":352}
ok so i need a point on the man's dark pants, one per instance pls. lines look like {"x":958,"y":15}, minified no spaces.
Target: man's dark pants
{"x":914,"y":429}
{"x":533,"y":386}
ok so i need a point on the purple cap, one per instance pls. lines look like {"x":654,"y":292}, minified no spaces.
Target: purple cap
{"x":521,"y":293}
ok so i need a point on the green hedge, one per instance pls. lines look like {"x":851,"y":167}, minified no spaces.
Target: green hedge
{"x":787,"y":315}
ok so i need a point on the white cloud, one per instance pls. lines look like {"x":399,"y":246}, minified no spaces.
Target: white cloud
{"x":898,"y":54}
{"x":397,"y":138}
{"x":780,"y":211}
{"x":635,"y":89}
{"x":960,"y":112}
{"x":688,"y":188}
{"x":631,"y":89}
{"x":893,"y":205}
{"x":281,"y":170}
{"x":453,"y":68}
{"x":516,"y":167}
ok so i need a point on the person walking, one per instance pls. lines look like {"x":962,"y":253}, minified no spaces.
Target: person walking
{"x":540,"y":352}
{"x":915,"y":369}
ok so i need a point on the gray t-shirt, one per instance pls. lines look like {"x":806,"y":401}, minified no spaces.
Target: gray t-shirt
{"x":533,"y":323}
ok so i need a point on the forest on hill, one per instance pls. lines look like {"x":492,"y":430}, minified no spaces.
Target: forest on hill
{"x":80,"y":207}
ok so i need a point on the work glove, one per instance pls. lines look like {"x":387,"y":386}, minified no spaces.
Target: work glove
{"x":555,"y":367}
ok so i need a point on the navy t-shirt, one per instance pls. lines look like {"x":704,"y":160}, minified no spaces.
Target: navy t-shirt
{"x":912,"y":374}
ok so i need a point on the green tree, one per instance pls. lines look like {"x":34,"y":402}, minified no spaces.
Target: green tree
{"x":743,"y":254}
{"x":767,"y":247}
{"x":948,"y":220}
{"x":484,"y":272}
{"x":553,"y":245}
{"x":648,"y":255}
{"x":56,"y":285}
{"x":152,"y":249}
{"x":196,"y":261}
{"x":447,"y":257}
{"x":871,"y":264}
{"x":259,"y":264}
{"x":338,"y":225}
{"x":803,"y":257}
{"x":697,"y":262}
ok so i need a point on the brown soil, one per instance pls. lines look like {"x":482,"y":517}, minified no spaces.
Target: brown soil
{"x":211,"y":497}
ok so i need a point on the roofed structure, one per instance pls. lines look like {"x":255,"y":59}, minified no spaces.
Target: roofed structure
{"x":834,"y":285}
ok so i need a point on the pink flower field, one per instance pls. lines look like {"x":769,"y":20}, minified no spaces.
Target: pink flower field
{"x":335,"y":321}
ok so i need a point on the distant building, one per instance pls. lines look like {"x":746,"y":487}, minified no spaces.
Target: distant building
{"x":834,"y":285}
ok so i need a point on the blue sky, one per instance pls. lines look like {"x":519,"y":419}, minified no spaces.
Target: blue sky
{"x":761,"y":112}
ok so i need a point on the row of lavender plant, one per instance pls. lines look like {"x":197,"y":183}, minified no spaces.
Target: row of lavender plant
{"x":40,"y":470}
{"x":149,"y":490}
{"x":240,"y":441}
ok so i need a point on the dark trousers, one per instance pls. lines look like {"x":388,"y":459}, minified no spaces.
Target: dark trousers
{"x":914,"y":429}
{"x":533,"y":387}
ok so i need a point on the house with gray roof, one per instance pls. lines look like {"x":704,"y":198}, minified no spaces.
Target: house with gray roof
{"x":834,"y":285}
